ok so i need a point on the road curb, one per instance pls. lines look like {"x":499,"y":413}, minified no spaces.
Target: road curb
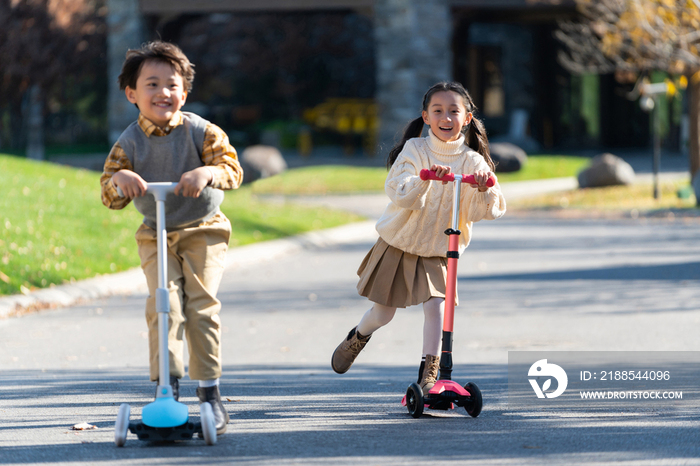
{"x":133,"y":281}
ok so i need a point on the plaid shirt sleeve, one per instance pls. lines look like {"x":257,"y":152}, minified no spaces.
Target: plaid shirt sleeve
{"x":220,"y":156}
{"x":116,"y":160}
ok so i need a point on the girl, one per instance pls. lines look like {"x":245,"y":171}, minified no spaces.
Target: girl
{"x":407,"y":265}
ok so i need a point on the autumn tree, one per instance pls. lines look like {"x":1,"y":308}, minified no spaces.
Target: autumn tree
{"x":48,"y":48}
{"x":633,"y":37}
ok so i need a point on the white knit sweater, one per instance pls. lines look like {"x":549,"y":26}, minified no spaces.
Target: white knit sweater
{"x":420,"y":211}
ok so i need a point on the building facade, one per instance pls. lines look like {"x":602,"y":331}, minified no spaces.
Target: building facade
{"x":503,"y":51}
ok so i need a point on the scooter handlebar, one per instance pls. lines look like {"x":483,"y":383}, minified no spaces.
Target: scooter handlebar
{"x":157,"y":189}
{"x":426,"y":174}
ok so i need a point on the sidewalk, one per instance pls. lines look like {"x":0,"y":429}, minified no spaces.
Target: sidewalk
{"x":369,"y":205}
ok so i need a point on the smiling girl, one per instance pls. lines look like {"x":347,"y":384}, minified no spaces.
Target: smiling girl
{"x":408,"y":264}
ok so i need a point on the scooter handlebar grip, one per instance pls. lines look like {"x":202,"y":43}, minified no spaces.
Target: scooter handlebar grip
{"x":426,"y":174}
{"x":470,"y":179}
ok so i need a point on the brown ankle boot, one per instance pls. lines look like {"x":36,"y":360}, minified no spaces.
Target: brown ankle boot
{"x":430,"y":373}
{"x":346,"y":352}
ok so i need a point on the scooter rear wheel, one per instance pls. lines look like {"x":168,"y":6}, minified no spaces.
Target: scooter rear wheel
{"x":206,"y":414}
{"x":474,"y":406}
{"x":121,"y":427}
{"x":414,"y":400}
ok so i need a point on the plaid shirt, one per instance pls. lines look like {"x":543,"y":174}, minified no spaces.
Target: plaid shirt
{"x":217,"y":153}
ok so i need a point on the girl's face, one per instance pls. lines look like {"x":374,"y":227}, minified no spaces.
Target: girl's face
{"x":446,"y":115}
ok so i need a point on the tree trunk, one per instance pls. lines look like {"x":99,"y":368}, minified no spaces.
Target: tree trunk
{"x":694,"y":135}
{"x":694,"y":130}
{"x":35,"y":125}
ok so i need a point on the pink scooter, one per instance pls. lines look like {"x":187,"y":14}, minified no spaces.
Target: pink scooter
{"x":446,"y":393}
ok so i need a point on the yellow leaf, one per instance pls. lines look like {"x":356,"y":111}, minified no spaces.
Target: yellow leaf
{"x":670,"y":88}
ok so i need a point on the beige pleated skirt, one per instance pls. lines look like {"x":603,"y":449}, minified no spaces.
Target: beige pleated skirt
{"x":395,"y":278}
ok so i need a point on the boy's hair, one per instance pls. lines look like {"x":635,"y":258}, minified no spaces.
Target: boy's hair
{"x":164,"y":52}
{"x":475,"y":133}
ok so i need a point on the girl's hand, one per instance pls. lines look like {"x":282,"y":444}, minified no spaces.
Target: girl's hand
{"x":131,"y":184}
{"x":481,"y":177}
{"x":193,"y":182}
{"x":441,"y":170}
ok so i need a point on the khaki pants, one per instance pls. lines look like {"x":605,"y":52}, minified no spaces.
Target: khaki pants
{"x":195,"y":266}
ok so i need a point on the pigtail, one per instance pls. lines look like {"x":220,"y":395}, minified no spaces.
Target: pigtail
{"x":477,"y":140}
{"x":413,"y":130}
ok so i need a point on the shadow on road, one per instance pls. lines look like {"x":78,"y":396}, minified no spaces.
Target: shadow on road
{"x":309,"y":415}
{"x":663,"y":272}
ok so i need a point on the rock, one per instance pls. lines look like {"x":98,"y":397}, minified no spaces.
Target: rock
{"x":507,"y":157}
{"x":261,"y":162}
{"x":606,"y":170}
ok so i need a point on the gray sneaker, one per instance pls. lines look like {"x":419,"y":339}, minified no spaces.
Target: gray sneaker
{"x":346,"y":352}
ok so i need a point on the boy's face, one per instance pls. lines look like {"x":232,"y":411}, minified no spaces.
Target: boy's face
{"x":159,"y":92}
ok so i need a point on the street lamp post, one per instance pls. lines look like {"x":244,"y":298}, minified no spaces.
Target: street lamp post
{"x":649,"y":102}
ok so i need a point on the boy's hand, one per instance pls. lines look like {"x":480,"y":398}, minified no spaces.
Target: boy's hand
{"x":131,"y":184}
{"x":481,"y":177}
{"x":193,"y":182}
{"x":441,"y":170}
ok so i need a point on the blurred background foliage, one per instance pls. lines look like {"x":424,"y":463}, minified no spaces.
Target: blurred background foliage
{"x":53,"y":53}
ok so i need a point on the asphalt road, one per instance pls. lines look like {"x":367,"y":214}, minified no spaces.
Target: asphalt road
{"x":526,"y":283}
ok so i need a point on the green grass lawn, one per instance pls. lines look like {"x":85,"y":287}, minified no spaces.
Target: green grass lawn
{"x":635,"y":197}
{"x":54,"y":228}
{"x":342,"y":179}
{"x":539,"y":167}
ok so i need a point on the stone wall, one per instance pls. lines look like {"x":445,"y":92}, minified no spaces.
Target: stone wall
{"x":413,"y":40}
{"x":126,"y":30}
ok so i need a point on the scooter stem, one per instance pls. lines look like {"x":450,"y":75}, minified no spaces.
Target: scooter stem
{"x":159,"y":192}
{"x":451,"y":285}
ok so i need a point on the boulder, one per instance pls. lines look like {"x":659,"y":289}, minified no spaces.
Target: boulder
{"x":507,"y":157}
{"x":261,"y":162}
{"x":606,"y":170}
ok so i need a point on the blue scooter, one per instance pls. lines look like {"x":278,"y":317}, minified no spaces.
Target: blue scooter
{"x":164,"y":419}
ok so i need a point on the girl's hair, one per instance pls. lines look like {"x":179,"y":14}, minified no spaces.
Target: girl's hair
{"x":475,"y":133}
{"x":160,"y":51}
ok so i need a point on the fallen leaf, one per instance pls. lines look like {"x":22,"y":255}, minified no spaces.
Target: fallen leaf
{"x":83,"y":426}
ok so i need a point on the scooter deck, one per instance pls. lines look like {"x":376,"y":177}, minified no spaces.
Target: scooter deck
{"x":165,"y":434}
{"x":444,"y":395}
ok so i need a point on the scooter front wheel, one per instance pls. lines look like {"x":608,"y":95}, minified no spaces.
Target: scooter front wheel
{"x":474,"y":406}
{"x":414,"y":400}
{"x":121,"y":427}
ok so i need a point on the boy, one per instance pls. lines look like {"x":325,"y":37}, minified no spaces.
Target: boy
{"x":165,"y":144}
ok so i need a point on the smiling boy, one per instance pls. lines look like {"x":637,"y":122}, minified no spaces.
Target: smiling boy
{"x":166,"y":144}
